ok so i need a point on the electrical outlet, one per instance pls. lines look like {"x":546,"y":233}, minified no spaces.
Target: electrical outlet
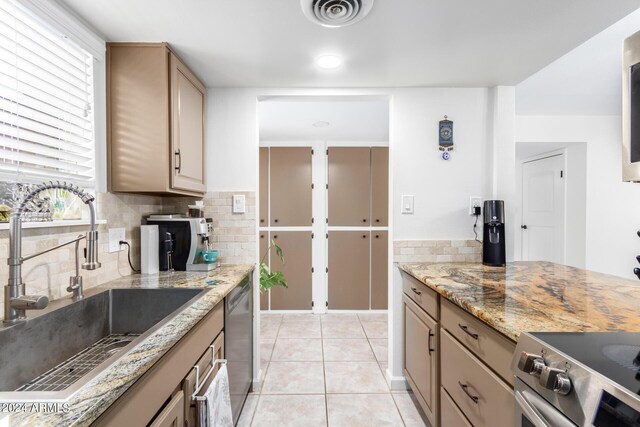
{"x":115,"y":236}
{"x":473,"y":202}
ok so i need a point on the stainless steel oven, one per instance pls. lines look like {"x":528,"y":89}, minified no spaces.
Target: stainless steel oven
{"x":587,"y":379}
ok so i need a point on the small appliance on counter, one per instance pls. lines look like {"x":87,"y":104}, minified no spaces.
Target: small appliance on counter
{"x":577,"y":379}
{"x":184,"y":243}
{"x":493,"y":243}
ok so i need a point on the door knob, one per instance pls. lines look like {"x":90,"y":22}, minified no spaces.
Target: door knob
{"x":524,"y":227}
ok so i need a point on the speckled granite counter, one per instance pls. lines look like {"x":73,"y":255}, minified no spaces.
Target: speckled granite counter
{"x":535,"y":296}
{"x":95,"y":397}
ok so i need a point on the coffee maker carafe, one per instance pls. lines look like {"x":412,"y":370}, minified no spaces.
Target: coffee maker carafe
{"x":493,"y":243}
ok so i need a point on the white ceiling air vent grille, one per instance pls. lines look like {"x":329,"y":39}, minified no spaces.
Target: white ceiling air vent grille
{"x":336,"y":13}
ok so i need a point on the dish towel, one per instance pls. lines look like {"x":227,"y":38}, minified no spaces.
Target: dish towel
{"x":214,"y":406}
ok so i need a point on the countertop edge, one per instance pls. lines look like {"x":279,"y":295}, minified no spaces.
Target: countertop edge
{"x":465,"y":305}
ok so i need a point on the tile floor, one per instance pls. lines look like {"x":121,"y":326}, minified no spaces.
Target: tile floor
{"x":327,"y":370}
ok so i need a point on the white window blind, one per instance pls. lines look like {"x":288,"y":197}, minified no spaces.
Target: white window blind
{"x":46,"y":100}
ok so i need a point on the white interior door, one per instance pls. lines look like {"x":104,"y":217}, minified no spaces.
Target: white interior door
{"x":543,"y":219}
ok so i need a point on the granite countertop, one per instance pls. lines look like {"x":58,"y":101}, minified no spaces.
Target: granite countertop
{"x":535,"y":296}
{"x":86,"y":405}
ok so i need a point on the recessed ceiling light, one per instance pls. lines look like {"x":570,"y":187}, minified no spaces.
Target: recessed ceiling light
{"x":321,"y":124}
{"x":328,"y":62}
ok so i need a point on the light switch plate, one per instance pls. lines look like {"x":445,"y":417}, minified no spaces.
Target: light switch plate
{"x":239,"y":203}
{"x":406,"y":205}
{"x":474,"y":201}
{"x":115,"y":236}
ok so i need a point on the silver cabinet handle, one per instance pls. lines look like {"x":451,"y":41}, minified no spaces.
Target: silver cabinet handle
{"x":417,"y":292}
{"x":466,"y":331}
{"x":465,"y":388}
{"x":179,"y":160}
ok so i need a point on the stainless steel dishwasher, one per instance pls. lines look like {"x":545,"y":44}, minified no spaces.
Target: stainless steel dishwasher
{"x":238,"y":343}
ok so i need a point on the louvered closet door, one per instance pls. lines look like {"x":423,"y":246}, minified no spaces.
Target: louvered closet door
{"x":290,"y":186}
{"x":349,"y":270}
{"x":296,"y":246}
{"x":264,"y":187}
{"x":379,"y":270}
{"x":264,"y":244}
{"x":349,"y":186}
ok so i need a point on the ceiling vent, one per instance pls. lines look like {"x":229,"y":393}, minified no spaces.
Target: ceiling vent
{"x":336,"y":13}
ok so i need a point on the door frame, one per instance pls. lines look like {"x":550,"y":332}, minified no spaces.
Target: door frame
{"x":519,"y":184}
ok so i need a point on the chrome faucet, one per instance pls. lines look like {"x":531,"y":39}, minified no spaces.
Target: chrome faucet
{"x":15,"y":301}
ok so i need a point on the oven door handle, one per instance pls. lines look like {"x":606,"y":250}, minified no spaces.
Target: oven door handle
{"x":553,"y":418}
{"x":529,"y":411}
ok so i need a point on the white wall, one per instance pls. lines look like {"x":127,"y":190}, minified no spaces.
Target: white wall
{"x":442,"y":188}
{"x":612,"y":205}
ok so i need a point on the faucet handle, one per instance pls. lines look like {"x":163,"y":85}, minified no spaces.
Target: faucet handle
{"x":29,"y":302}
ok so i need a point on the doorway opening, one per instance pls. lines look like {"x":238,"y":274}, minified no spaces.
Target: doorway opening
{"x":324,"y":199}
{"x":551,"y":178}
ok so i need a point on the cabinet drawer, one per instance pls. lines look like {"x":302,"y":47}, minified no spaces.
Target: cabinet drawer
{"x":450,"y":415}
{"x":204,"y":365}
{"x":421,"y":294}
{"x":173,"y":414}
{"x":490,"y":346}
{"x":484,"y":398}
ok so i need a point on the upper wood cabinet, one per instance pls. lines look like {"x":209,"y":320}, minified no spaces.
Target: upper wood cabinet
{"x":290,"y":186}
{"x":155,"y":122}
{"x":380,"y":186}
{"x":264,"y":186}
{"x":349,"y":186}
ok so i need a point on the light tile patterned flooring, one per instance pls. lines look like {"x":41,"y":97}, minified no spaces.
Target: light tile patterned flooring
{"x":327,"y":370}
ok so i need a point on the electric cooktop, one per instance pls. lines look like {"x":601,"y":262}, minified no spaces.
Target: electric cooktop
{"x":616,"y":355}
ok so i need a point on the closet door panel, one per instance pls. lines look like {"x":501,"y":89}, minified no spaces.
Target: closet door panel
{"x":264,"y":244}
{"x":349,"y":270}
{"x":290,"y":186}
{"x":296,"y":246}
{"x":380,"y":186}
{"x":264,"y":187}
{"x":349,"y":186}
{"x":379,"y":270}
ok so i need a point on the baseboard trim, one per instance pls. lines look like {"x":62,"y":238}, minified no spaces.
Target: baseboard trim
{"x":398,"y":383}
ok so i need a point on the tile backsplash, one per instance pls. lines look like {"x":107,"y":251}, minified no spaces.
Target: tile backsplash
{"x":48,"y":274}
{"x":437,"y":251}
{"x":234,"y":234}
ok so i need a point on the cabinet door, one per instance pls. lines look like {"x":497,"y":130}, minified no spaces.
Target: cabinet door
{"x":187,"y":129}
{"x":379,"y":270}
{"x":349,"y":270}
{"x":420,"y":354}
{"x":173,"y":414}
{"x":380,"y":186}
{"x":296,"y":246}
{"x":349,"y":186}
{"x":264,"y":186}
{"x":290,"y":186}
{"x":264,"y":244}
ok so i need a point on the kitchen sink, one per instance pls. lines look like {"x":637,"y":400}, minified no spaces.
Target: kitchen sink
{"x":53,"y":354}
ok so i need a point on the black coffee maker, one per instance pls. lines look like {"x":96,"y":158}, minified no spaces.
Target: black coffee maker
{"x":493,"y":243}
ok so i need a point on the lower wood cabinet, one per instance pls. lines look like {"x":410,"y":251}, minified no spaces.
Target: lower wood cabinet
{"x":457,"y":366}
{"x":158,"y":397}
{"x":450,"y":414}
{"x":348,"y":270}
{"x":296,"y":246}
{"x":173,"y":414}
{"x":421,"y":357}
{"x":481,"y":395}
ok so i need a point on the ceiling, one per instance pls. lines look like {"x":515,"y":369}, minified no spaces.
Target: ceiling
{"x":585,"y":81}
{"x":292,"y":120}
{"x":401,"y":43}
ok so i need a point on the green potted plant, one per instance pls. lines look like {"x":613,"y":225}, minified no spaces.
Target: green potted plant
{"x":268,"y":278}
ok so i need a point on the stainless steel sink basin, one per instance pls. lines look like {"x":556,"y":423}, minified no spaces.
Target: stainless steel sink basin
{"x":53,"y":354}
